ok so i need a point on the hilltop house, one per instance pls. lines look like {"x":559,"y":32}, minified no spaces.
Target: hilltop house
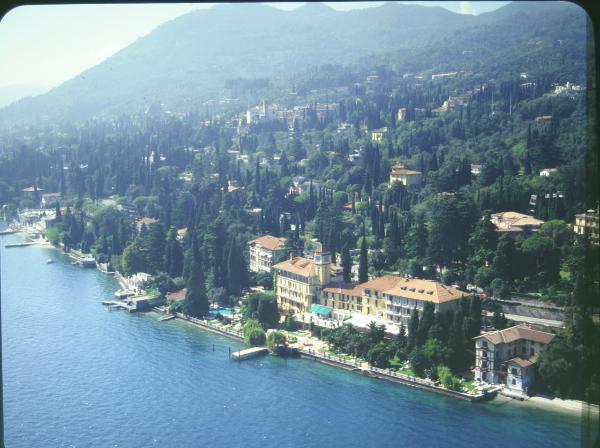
{"x":509,"y":356}
{"x":547,"y":172}
{"x":515,"y":222}
{"x":265,"y":251}
{"x":378,"y":135}
{"x":146,"y":221}
{"x":261,"y":114}
{"x":408,"y":178}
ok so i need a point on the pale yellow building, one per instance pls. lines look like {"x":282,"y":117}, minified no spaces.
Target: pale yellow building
{"x":378,"y":135}
{"x":588,"y":224}
{"x":391,"y":298}
{"x":410,"y":293}
{"x":299,"y":280}
{"x":343,"y":297}
{"x":408,"y":178}
{"x":401,"y":115}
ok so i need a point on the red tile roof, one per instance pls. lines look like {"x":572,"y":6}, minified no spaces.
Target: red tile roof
{"x":521,"y":331}
{"x":269,"y":242}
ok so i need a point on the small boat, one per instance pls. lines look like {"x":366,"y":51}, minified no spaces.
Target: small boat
{"x":49,"y":261}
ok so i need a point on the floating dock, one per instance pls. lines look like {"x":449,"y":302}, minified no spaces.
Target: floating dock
{"x":248,"y":353}
{"x":163,"y":318}
{"x":117,"y":304}
{"x":19,"y":244}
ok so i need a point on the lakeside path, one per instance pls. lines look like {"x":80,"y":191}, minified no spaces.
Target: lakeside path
{"x":339,"y":362}
{"x":573,"y":407}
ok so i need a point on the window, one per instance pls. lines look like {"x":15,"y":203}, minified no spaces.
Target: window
{"x":514,"y":381}
{"x":484,"y":344}
{"x":532,"y":352}
{"x":513,"y":371}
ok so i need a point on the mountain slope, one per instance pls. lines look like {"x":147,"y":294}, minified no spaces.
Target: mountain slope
{"x":188,"y":59}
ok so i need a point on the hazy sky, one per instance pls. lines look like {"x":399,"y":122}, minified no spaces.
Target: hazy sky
{"x":47,"y":45}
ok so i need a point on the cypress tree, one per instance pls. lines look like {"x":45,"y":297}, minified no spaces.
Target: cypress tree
{"x":196,"y":300}
{"x":347,"y":263}
{"x":363,"y":266}
{"x":413,"y":329}
{"x":425,"y":323}
{"x":236,"y":270}
{"x":332,"y":248}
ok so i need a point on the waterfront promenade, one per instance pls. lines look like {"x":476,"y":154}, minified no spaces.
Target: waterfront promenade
{"x":341,"y":362}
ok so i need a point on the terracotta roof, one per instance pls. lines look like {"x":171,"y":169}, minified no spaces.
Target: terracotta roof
{"x":427,"y":290}
{"x":304,"y":266}
{"x":146,"y":221}
{"x":269,"y":242}
{"x":182,"y":232}
{"x":297,"y":265}
{"x":177,"y":296}
{"x":521,"y":331}
{"x":404,"y":171}
{"x":522,"y":362}
{"x":507,"y":221}
{"x":344,"y":288}
{"x":382,"y":283}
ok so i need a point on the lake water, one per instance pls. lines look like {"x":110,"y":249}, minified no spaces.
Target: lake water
{"x":78,"y":375}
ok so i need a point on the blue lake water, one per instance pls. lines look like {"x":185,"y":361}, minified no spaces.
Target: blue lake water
{"x":78,"y":375}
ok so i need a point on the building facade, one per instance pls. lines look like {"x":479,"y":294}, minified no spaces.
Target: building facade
{"x":391,"y":298}
{"x":588,"y":224}
{"x":300,"y":281}
{"x":265,"y":251}
{"x":509,"y":356}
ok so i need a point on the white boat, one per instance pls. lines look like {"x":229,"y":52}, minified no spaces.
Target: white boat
{"x":49,"y":261}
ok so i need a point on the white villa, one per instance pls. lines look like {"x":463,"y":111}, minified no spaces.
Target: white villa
{"x":509,"y":356}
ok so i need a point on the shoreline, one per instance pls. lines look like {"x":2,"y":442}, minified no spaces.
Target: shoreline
{"x":571,"y":407}
{"x":549,"y":404}
{"x":371,"y":372}
{"x":553,"y":404}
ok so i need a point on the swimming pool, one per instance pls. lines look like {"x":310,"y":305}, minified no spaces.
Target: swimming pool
{"x":222,"y":312}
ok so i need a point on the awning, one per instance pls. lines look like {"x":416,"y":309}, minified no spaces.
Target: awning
{"x":320,"y":309}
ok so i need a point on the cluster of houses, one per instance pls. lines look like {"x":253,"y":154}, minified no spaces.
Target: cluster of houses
{"x":313,"y":285}
{"x":265,"y":113}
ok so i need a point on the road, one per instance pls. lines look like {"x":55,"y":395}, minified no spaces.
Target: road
{"x":532,"y":320}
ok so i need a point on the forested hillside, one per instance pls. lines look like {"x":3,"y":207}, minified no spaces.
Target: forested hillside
{"x":480,"y":116}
